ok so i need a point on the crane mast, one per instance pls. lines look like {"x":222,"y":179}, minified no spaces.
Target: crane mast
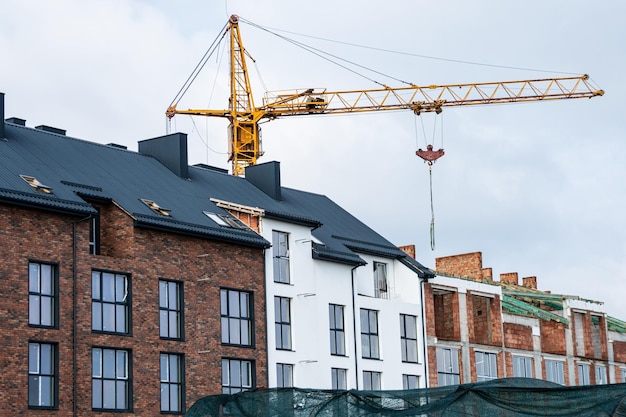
{"x":245,"y":135}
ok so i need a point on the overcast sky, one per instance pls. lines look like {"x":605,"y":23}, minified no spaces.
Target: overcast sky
{"x":538,"y":188}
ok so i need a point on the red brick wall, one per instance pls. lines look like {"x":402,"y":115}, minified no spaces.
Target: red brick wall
{"x":552,"y":337}
{"x":467,"y":265}
{"x":619,"y":351}
{"x":484,"y":320}
{"x":146,"y":255}
{"x":518,"y":336}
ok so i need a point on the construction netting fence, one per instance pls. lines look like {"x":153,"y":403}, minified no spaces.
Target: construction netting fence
{"x":508,"y":397}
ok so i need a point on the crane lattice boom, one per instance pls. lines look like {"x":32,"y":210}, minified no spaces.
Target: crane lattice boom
{"x":245,"y":145}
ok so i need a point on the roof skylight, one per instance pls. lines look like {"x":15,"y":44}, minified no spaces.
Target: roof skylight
{"x":156,"y":208}
{"x":34,"y":182}
{"x":226,"y":221}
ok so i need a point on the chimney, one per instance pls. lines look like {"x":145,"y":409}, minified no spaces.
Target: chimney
{"x":2,"y":135}
{"x":51,"y":129}
{"x":409,"y":250}
{"x":266,"y":177}
{"x":487,"y":274}
{"x":530,"y":282}
{"x":170,"y":150}
{"x":469,"y":265}
{"x":509,"y":278}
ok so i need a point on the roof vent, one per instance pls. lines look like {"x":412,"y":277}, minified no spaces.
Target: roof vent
{"x":16,"y":121}
{"x":51,"y":129}
{"x":34,"y":182}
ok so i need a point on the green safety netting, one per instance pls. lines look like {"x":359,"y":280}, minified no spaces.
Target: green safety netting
{"x":509,"y":397}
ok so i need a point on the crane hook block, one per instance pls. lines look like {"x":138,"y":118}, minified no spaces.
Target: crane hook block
{"x":429,"y":155}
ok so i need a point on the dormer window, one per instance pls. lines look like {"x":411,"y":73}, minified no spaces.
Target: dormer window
{"x":156,"y":208}
{"x":34,"y":182}
{"x":226,"y":221}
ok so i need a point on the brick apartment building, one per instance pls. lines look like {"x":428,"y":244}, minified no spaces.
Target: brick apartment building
{"x":116,"y":285}
{"x":480,"y":329}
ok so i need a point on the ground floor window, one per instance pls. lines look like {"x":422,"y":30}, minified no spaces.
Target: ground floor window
{"x":236,"y":375}
{"x":448,"y":366}
{"x":110,"y":379}
{"x":42,"y":375}
{"x":371,"y":381}
{"x":555,"y":371}
{"x":172,"y":379}
{"x":339,"y":378}
{"x":284,"y":375}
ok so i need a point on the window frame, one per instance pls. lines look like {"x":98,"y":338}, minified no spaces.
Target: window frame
{"x":125,"y":304}
{"x":486,"y":366}
{"x":52,"y":374}
{"x":601,"y":373}
{"x":448,"y":370}
{"x":406,"y":340}
{"x":227,"y":386}
{"x":372,"y":380}
{"x":282,"y":323}
{"x":584,"y":373}
{"x":406,"y":381}
{"x":280,"y":257}
{"x":337,"y":376}
{"x":555,"y":371}
{"x":228,"y":316}
{"x":284,"y":371}
{"x":524,"y":363}
{"x":381,"y":281}
{"x":127,"y":379}
{"x":168,"y":383}
{"x":370,"y":337}
{"x":337,"y":329}
{"x":167,"y":310}
{"x":53,"y":295}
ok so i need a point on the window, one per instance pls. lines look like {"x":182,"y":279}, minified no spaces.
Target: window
{"x":280,"y":252}
{"x":339,"y":378}
{"x":282,"y":322}
{"x":448,"y":366}
{"x":284,"y":375}
{"x":110,"y":379}
{"x":583,"y":374}
{"x":555,"y":371}
{"x":156,"y":208}
{"x":236,"y":317}
{"x":522,"y":367}
{"x":369,"y":334}
{"x":42,"y":375}
{"x":110,"y":302}
{"x":337,"y":332}
{"x":486,"y":366}
{"x":380,"y":280}
{"x":601,"y":375}
{"x":170,"y":309}
{"x":42,"y":295}
{"x":94,"y":234}
{"x":408,"y":338}
{"x":623,"y":373}
{"x":172,"y":378}
{"x":371,"y":381}
{"x":236,"y":376}
{"x":226,"y":221}
{"x":410,"y":381}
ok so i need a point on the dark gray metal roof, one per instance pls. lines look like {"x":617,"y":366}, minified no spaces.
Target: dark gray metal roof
{"x":77,"y":170}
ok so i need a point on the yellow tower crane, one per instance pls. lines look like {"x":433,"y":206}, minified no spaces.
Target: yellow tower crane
{"x":244,"y":116}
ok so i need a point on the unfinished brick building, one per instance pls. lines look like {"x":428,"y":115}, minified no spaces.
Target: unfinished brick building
{"x":480,"y":329}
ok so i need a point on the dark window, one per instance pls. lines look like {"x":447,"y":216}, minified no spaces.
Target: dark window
{"x":448,"y":366}
{"x":42,"y":375}
{"x":380,"y":280}
{"x":110,"y":302}
{"x":369,"y":334}
{"x":236,"y":376}
{"x":280,"y":252}
{"x":340,"y":378}
{"x":371,"y":381}
{"x":172,"y":380}
{"x":337,"y":331}
{"x":42,"y":295}
{"x":94,"y":234}
{"x":410,"y":381}
{"x":170,"y":309}
{"x":236,"y":317}
{"x":408,"y":338}
{"x":284,"y":375}
{"x":110,"y":380}
{"x":282,"y":322}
